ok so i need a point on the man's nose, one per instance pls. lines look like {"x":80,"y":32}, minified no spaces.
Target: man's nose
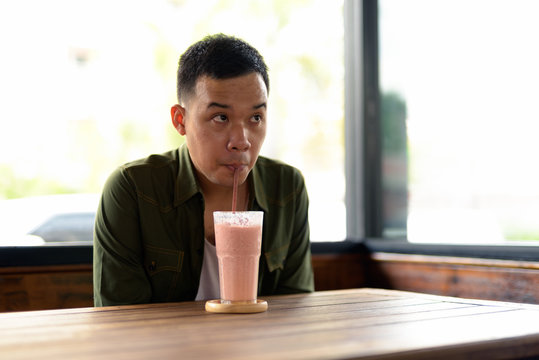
{"x":238,"y":140}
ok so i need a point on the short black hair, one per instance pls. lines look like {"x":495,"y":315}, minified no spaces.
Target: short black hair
{"x":220,"y":57}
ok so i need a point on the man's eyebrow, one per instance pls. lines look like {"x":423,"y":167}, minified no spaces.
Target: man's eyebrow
{"x":214,"y":104}
{"x":224,"y":106}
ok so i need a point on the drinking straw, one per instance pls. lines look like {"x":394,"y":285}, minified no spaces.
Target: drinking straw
{"x":235,"y":190}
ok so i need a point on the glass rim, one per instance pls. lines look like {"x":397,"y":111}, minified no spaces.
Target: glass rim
{"x":239,"y":212}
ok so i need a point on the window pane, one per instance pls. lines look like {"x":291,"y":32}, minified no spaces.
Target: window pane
{"x":87,"y":86}
{"x":462,"y":78}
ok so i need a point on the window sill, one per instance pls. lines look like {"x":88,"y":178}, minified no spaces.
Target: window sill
{"x":82,"y":254}
{"x":498,"y":252}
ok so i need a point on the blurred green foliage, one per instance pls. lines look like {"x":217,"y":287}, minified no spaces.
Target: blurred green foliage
{"x":393,"y":115}
{"x":14,"y":186}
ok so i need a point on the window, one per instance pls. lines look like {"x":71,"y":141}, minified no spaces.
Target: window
{"x":87,"y":86}
{"x":425,"y":143}
{"x":458,"y":93}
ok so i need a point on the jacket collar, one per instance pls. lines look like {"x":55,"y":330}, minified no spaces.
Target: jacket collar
{"x":257,"y":187}
{"x":186,"y":183}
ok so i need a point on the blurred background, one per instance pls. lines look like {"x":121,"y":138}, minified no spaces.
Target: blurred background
{"x":87,"y":86}
{"x":460,"y":79}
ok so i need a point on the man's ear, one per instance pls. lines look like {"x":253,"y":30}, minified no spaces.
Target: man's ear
{"x":177,"y":113}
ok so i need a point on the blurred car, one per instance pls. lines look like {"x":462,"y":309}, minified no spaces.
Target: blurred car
{"x":52,"y":219}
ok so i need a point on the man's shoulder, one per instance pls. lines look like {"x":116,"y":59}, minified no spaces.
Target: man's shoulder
{"x":152,"y":178}
{"x":145,"y":172}
{"x":272,"y":165}
{"x":275,"y":170}
{"x":154,"y":161}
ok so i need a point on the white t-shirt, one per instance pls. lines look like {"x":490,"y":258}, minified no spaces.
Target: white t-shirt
{"x":208,"y":288}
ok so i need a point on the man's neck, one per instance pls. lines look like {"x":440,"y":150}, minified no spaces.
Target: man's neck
{"x":220,"y":197}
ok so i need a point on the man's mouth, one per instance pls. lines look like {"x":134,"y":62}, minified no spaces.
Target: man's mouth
{"x":235,"y":166}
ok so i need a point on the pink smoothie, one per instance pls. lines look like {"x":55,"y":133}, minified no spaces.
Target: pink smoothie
{"x":238,"y":251}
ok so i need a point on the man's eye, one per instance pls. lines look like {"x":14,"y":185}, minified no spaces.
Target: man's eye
{"x":220,"y":118}
{"x":256,"y":118}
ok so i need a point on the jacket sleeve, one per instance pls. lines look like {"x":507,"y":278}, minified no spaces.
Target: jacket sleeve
{"x":118,"y":270}
{"x":297,"y":274}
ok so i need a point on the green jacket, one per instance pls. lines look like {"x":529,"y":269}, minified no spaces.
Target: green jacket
{"x":149,"y":231}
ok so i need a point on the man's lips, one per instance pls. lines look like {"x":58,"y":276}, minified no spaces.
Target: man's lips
{"x":233,"y":167}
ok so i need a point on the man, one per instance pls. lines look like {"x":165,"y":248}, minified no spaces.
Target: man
{"x":154,"y":236}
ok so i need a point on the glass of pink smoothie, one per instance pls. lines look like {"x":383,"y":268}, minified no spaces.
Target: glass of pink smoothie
{"x":238,"y":238}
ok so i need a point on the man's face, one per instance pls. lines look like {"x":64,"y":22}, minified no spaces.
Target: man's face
{"x":224,"y":123}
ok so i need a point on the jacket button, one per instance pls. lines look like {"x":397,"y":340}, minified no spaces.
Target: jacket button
{"x":153,"y":266}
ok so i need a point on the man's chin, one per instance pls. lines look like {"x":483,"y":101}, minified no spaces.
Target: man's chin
{"x":226,"y":181}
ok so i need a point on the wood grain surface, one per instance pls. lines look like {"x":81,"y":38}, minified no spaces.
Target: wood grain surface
{"x":345,"y":324}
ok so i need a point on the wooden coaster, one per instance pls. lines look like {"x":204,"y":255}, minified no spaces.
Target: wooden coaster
{"x":215,"y":306}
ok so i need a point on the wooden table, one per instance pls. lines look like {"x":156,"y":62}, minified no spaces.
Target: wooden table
{"x":347,"y":324}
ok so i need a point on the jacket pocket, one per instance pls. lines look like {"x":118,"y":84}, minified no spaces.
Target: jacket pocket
{"x":163,"y":267}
